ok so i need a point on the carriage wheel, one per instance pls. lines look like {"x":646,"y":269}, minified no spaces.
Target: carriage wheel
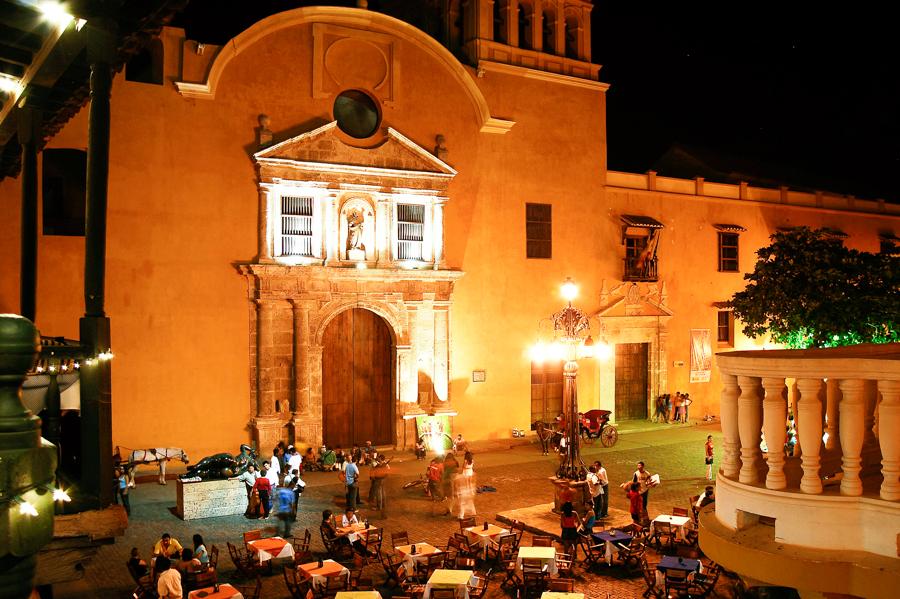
{"x":586,"y":436}
{"x":609,"y":435}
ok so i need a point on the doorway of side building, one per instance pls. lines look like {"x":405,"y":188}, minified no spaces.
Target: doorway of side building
{"x":357,"y":380}
{"x":631,"y":380}
{"x":546,"y":391}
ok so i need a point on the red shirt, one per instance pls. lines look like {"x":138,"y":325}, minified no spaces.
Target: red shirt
{"x":709,"y":449}
{"x":435,"y":472}
{"x":637,"y":504}
{"x":262,"y":484}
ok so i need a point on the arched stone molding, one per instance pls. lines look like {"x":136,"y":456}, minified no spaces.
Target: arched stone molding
{"x":358,"y":19}
{"x":394,"y":314}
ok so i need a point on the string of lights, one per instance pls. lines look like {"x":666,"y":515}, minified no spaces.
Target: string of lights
{"x":26,"y":508}
{"x":74,"y":364}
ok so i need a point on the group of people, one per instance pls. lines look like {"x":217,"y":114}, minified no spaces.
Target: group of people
{"x":379,"y":469}
{"x":269,"y":491}
{"x":171,"y":562}
{"x":669,"y":409}
{"x":447,"y":479}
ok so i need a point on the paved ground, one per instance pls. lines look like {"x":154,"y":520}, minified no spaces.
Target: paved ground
{"x":519,"y":474}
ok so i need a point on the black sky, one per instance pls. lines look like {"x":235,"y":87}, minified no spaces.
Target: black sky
{"x":807,"y":93}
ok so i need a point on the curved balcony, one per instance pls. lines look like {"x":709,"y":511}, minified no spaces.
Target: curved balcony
{"x":826,"y":516}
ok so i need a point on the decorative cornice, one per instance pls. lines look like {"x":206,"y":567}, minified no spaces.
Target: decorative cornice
{"x":349,"y":273}
{"x":509,"y":69}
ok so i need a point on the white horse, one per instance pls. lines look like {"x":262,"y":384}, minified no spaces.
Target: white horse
{"x":157,"y":455}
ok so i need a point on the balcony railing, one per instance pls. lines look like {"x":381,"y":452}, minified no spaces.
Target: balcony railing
{"x":643,"y":272}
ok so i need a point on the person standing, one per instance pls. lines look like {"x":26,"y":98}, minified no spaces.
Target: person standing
{"x":379,"y":472}
{"x":709,"y":457}
{"x":295,"y":461}
{"x":351,"y":479}
{"x":263,"y":487}
{"x":469,"y":466}
{"x":643,"y":478}
{"x":569,"y":522}
{"x":122,"y":489}
{"x":594,"y":488}
{"x":635,"y":502}
{"x":275,"y":466}
{"x":604,"y":485}
{"x":248,"y":477}
{"x":451,"y":469}
{"x":687,"y":403}
{"x":435,"y":474}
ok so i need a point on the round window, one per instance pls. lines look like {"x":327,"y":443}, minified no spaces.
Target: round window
{"x":356,"y":114}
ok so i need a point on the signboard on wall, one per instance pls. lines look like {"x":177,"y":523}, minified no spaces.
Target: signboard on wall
{"x":701,"y":356}
{"x":435,"y":430}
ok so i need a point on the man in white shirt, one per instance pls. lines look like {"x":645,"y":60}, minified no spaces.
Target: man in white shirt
{"x":169,"y":584}
{"x":596,"y":491}
{"x":604,"y":484}
{"x":275,"y":467}
{"x":295,"y":461}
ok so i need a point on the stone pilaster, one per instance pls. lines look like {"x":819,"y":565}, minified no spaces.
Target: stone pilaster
{"x":440,"y":369}
{"x":266,"y":233}
{"x":809,"y":428}
{"x":437,"y":232}
{"x":774,"y":416}
{"x":749,"y":428}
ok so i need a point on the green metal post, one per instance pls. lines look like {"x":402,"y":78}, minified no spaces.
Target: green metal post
{"x":27,"y":464}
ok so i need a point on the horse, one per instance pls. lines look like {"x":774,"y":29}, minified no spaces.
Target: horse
{"x":157,"y":455}
{"x":544,"y":435}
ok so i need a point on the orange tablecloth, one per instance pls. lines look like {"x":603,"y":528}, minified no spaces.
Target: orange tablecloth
{"x":226,"y":591}
{"x":271,"y":547}
{"x":330,"y":568}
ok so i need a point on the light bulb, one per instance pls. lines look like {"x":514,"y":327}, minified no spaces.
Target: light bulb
{"x":569,"y":290}
{"x":60,"y":495}
{"x":26,"y":509}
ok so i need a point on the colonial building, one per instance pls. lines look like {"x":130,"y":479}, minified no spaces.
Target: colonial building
{"x":337,"y":222}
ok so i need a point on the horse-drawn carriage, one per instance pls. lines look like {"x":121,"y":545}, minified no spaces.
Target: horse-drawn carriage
{"x":594,"y":424}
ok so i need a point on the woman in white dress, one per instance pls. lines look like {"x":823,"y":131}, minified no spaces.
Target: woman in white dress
{"x":465,"y":488}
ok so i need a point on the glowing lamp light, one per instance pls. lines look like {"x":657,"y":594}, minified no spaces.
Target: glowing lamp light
{"x":602,"y":351}
{"x":26,"y":509}
{"x":55,"y":13}
{"x":60,"y":495}
{"x":361,"y":266}
{"x":587,"y":349}
{"x":557,"y":351}
{"x":10,"y":85}
{"x":569,"y":290}
{"x":538,"y":352}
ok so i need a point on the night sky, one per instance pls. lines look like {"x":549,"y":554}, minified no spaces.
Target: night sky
{"x":793,"y":93}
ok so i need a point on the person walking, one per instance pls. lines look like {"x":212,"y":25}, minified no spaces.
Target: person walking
{"x":709,"y":457}
{"x":351,"y":479}
{"x":378,"y":474}
{"x":435,"y":474}
{"x":604,"y":484}
{"x":284,"y":505}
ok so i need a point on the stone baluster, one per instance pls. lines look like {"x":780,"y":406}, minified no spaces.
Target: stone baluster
{"x":871,"y":397}
{"x":774,"y":417}
{"x":833,"y":397}
{"x":809,"y":428}
{"x":729,"y":411}
{"x":889,"y":438}
{"x":750,"y":428}
{"x":852,"y":419}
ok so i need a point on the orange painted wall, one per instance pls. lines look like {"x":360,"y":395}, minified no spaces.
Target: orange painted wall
{"x":183,"y":210}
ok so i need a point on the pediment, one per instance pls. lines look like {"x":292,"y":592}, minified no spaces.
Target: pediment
{"x":621,"y":308}
{"x":324,"y":147}
{"x":631,"y":299}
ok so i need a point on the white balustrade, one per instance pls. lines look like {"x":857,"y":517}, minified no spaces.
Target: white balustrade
{"x":774,"y":416}
{"x":749,"y":427}
{"x":809,"y":428}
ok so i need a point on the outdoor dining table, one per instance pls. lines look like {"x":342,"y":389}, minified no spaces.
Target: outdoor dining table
{"x":484,"y":536}
{"x":547,"y":555}
{"x":226,"y":591}
{"x":449,"y":579}
{"x":609,"y":538}
{"x":422,"y":551}
{"x":558,"y":595}
{"x":329,"y":569}
{"x":671,"y":562}
{"x":271,"y":547}
{"x":354,"y":532}
{"x":357,"y":595}
{"x":677,"y":523}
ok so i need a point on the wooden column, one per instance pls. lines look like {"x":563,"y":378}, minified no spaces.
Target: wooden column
{"x":774,"y":417}
{"x":852,"y":415}
{"x":750,"y":428}
{"x":729,"y":410}
{"x":889,"y":438}
{"x":809,"y":427}
{"x":29,"y":131}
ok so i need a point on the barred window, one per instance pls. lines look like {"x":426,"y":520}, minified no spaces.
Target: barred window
{"x":538,"y":231}
{"x":410,"y":231}
{"x":296,"y":226}
{"x":725,"y":328}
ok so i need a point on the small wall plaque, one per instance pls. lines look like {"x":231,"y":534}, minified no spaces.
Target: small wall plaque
{"x":478,"y":376}
{"x":678,"y":363}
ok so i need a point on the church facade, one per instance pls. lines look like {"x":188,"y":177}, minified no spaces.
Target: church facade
{"x":337,"y":223}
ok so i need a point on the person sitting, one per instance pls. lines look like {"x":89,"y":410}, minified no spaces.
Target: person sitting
{"x":167,"y":546}
{"x":460,"y":445}
{"x":709,"y":496}
{"x":349,"y":518}
{"x":137,"y":565}
{"x":200,"y":552}
{"x":328,"y":460}
{"x":420,"y":448}
{"x":339,"y":458}
{"x":187,"y":563}
{"x":327,"y":526}
{"x":168,"y":586}
{"x":368,"y":453}
{"x":309,"y":457}
{"x":587,"y":524}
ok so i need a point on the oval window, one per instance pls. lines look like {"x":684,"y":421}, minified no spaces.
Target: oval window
{"x":356,"y":114}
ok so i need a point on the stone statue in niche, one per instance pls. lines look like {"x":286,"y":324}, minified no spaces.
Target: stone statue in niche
{"x":264,"y":133}
{"x":440,"y":147}
{"x":356,"y":249}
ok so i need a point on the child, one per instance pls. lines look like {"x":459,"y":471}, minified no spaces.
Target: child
{"x":709,"y":457}
{"x":635,"y":501}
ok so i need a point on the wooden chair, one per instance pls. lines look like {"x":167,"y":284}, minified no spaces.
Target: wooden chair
{"x":563,"y":564}
{"x":504,"y":546}
{"x":534,"y":584}
{"x":704,"y":584}
{"x":465,"y":523}
{"x":412,"y":588}
{"x":425,"y":569}
{"x":145,"y":587}
{"x":468,"y":548}
{"x":374,"y":539}
{"x":594,"y":553}
{"x":333,"y":585}
{"x":677,"y":583}
{"x":649,"y":573}
{"x":443,"y":593}
{"x":357,"y":582}
{"x":336,"y":548}
{"x":663,"y":535}
{"x":631,"y":554}
{"x":252,"y":535}
{"x":680,"y":511}
{"x":250,"y":591}
{"x":562,"y":585}
{"x":242,"y":562}
{"x":541,"y":541}
{"x":389,"y":566}
{"x":533,"y":564}
{"x":302,"y":554}
{"x":510,"y":568}
{"x":297,"y":586}
{"x":213,"y":557}
{"x":205,"y":577}
{"x":477,"y":585}
{"x":399,"y":538}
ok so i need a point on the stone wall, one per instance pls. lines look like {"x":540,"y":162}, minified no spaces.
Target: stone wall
{"x":210,"y":498}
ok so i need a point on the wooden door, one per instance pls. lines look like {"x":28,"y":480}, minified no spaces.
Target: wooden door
{"x":357,"y":380}
{"x":631,"y":380}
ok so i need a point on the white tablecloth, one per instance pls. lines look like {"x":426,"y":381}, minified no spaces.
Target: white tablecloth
{"x":458,"y":580}
{"x":547,"y":555}
{"x":677,"y":523}
{"x":266,"y":554}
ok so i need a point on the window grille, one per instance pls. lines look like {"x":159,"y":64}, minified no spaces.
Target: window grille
{"x":410,"y":231}
{"x":296,"y":226}
{"x":728,"y":252}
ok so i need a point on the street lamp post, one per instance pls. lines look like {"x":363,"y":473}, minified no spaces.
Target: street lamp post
{"x":571,"y":341}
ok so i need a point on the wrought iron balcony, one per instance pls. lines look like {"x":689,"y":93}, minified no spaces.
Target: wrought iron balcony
{"x":643,"y":272}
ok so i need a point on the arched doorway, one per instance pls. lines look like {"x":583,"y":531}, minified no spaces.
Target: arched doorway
{"x":357,"y":380}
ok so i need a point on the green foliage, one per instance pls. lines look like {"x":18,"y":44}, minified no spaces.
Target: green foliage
{"x":808,"y":290}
